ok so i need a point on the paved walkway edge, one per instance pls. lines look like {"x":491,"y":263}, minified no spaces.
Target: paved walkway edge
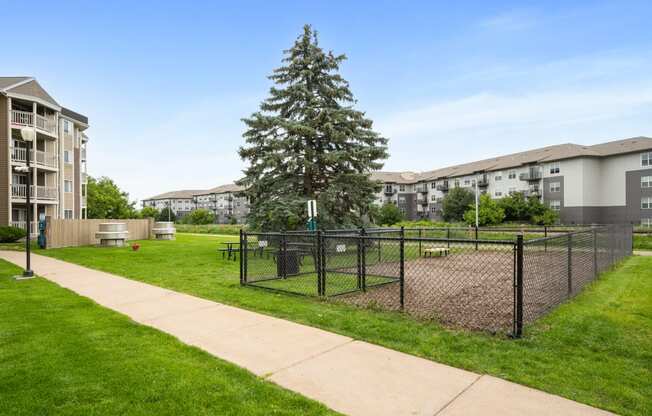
{"x":352,"y":377}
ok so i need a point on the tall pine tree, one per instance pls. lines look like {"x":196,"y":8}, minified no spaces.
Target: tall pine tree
{"x":308,"y":142}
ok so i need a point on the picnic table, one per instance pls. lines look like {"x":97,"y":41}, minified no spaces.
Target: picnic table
{"x":229,"y":250}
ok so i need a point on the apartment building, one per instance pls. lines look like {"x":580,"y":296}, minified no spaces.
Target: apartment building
{"x":180,"y":202}
{"x":604,"y":183}
{"x":57,"y":155}
{"x":223,"y":201}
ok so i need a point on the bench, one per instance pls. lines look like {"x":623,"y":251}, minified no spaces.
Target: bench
{"x":439,"y":251}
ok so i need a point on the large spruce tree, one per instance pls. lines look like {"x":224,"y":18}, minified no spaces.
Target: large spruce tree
{"x":308,"y":142}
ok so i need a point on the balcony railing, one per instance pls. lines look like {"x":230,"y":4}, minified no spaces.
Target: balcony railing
{"x":28,"y":119}
{"x":483,"y":181}
{"x":443,"y":187}
{"x":33,"y":229}
{"x":39,"y":157}
{"x":531,"y":175}
{"x":36,"y":192}
{"x":390,"y":191}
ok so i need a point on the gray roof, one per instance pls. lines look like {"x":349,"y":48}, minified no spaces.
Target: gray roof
{"x":74,"y":115}
{"x":222,"y":189}
{"x":6,"y":82}
{"x":541,"y":155}
{"x":183,"y":194}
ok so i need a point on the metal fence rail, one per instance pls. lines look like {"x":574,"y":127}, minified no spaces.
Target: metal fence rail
{"x":495,"y":284}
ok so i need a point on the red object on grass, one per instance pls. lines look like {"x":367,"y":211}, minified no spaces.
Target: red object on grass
{"x":135,"y":247}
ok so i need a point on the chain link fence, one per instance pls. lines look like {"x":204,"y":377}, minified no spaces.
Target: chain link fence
{"x":494,"y":284}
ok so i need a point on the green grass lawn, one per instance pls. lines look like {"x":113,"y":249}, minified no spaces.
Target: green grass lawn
{"x":596,"y":349}
{"x":63,"y":354}
{"x":642,"y":241}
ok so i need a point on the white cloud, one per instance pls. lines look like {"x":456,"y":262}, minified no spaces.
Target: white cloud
{"x":488,"y":124}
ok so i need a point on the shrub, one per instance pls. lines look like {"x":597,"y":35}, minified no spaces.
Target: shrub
{"x":200,"y":217}
{"x":11,"y":234}
{"x":455,"y":204}
{"x":390,"y":215}
{"x":149,"y":212}
{"x":166,"y":214}
{"x":490,"y":213}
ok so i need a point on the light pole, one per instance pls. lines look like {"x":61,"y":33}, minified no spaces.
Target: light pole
{"x":28,"y":137}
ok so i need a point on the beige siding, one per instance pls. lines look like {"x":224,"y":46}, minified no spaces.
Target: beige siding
{"x":5,"y":165}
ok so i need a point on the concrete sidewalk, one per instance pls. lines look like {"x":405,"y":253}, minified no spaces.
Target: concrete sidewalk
{"x":349,"y":376}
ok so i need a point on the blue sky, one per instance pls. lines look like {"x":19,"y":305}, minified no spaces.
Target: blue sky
{"x":166,"y":84}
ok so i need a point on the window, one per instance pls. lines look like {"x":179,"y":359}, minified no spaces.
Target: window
{"x":401,"y":188}
{"x":646,"y":222}
{"x":555,"y":204}
{"x":67,"y":214}
{"x":83,"y":189}
{"x":433,"y":209}
{"x":512,"y":190}
{"x":401,"y":200}
{"x":467,"y":182}
{"x":433,"y":185}
{"x":646,"y":182}
{"x":67,"y":186}
{"x":66,"y":126}
{"x":66,"y":156}
{"x":498,"y":176}
{"x":433,"y":198}
{"x":388,"y":188}
{"x":512,"y":174}
{"x":498,"y":193}
{"x":457,"y":183}
{"x":554,"y":168}
{"x":555,"y":186}
{"x":646,"y":202}
{"x":646,"y":159}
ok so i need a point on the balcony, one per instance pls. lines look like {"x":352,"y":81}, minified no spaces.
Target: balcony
{"x":23,"y":225}
{"x":422,"y":189}
{"x":534,"y":191}
{"x":390,"y":191}
{"x":483,"y":181}
{"x":38,"y":157}
{"x":443,"y":187}
{"x":84,"y":177}
{"x":29,"y":119}
{"x":37,"y":192}
{"x":531,"y":175}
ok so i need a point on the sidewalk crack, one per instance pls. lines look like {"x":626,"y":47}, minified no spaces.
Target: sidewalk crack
{"x":458,"y":395}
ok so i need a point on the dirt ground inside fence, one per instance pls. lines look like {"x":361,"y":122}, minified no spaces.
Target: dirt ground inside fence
{"x":475,"y":289}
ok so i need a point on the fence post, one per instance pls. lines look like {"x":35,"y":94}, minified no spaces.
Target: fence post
{"x":476,"y":237}
{"x":322,"y":257}
{"x":518,"y":321}
{"x":241,"y":257}
{"x":363,"y":260}
{"x":569,"y":260}
{"x":448,"y":236}
{"x":419,"y":242}
{"x":402,"y":267}
{"x":318,"y":263}
{"x":283,"y":261}
{"x":545,"y":235}
{"x":595,"y":253}
{"x":359,"y":259}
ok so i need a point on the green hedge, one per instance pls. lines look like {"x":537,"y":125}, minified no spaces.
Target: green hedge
{"x":11,"y":234}
{"x":210,"y":228}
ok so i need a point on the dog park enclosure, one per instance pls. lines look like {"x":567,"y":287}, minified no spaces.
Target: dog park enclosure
{"x":74,"y":233}
{"x":489,"y":280}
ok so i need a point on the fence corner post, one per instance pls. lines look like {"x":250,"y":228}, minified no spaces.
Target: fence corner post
{"x":402,"y":268}
{"x":569,"y":261}
{"x":518,"y":304}
{"x":595,"y":253}
{"x":319,"y":263}
{"x":241,"y":258}
{"x":476,"y":237}
{"x":363,"y":259}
